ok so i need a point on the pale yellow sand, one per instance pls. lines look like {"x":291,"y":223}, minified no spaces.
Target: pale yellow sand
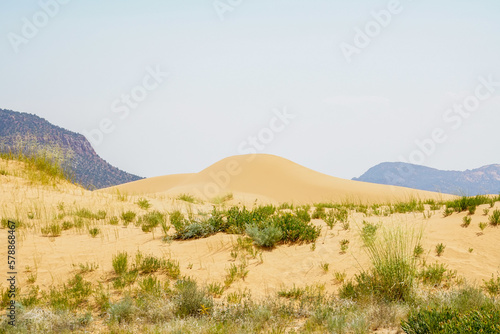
{"x":268,"y":177}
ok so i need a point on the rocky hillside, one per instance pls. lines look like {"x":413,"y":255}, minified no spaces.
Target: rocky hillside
{"x":26,"y":131}
{"x":483,"y":180}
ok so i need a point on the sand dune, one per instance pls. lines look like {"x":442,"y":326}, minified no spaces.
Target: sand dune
{"x":272,"y":177}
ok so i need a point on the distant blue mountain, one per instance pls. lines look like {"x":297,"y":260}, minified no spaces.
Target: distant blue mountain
{"x":483,"y":180}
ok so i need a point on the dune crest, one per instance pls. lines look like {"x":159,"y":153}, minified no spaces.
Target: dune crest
{"x":273,"y":178}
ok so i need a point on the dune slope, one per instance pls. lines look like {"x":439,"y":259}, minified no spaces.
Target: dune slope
{"x":274,"y":178}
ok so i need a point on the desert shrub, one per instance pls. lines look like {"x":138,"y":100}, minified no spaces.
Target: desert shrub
{"x":149,"y":264}
{"x":472,"y":209}
{"x":393,"y":270}
{"x":78,"y":222}
{"x":193,"y":229}
{"x":237,"y":218}
{"x":447,"y":212}
{"x":70,"y":295}
{"x":449,"y":321}
{"x":186,"y":198}
{"x":440,"y":249}
{"x":151,"y":285}
{"x":344,"y":245}
{"x":172,"y":268}
{"x":113,"y":220}
{"x":66,"y":225}
{"x":94,"y":232}
{"x":84,"y":213}
{"x":4,"y":223}
{"x":368,"y":232}
{"x":177,"y":220}
{"x":190,"y":300}
{"x":291,"y":293}
{"x":215,"y":289}
{"x":492,"y":286}
{"x":122,"y":311}
{"x":128,"y":217}
{"x":464,"y":203}
{"x":120,"y":263}
{"x":466,"y":221}
{"x":303,"y":214}
{"x":319,"y":213}
{"x":100,"y":215}
{"x":295,"y":229}
{"x":151,"y":220}
{"x":267,"y":236}
{"x":418,"y":250}
{"x":143,"y":203}
{"x":411,"y":206}
{"x":433,"y":274}
{"x":52,"y":230}
{"x":494,"y":218}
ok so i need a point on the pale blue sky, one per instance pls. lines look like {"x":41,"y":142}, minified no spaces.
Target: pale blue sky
{"x":226,"y":77}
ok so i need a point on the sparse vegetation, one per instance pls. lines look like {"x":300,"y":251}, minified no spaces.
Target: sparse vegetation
{"x":94,"y":232}
{"x":440,"y":249}
{"x":52,"y":230}
{"x":128,"y":217}
{"x":187,"y":198}
{"x":344,"y":245}
{"x":143,"y":203}
{"x":494,"y":218}
{"x":466,"y":221}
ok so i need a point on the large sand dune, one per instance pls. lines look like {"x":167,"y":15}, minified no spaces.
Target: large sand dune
{"x":274,"y":178}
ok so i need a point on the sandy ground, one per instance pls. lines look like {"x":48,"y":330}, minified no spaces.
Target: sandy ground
{"x":53,"y":260}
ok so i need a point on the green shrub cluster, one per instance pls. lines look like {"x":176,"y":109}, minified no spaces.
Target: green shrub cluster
{"x":264,"y":224}
{"x":451,"y":321}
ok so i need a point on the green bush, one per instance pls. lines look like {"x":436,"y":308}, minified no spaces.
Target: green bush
{"x":267,"y":236}
{"x":94,"y":232}
{"x":128,"y":217}
{"x":151,"y":220}
{"x":52,"y":230}
{"x":143,"y":203}
{"x":433,"y":274}
{"x":194,"y":229}
{"x":368,"y":232}
{"x":66,"y":225}
{"x":186,"y":198}
{"x":466,"y":221}
{"x":177,"y":220}
{"x":190,"y":300}
{"x":303,"y":214}
{"x":319,"y":213}
{"x":295,"y":229}
{"x":70,"y":295}
{"x":394,"y":267}
{"x":449,"y":321}
{"x":122,"y":311}
{"x":495,"y":218}
{"x":492,"y":286}
{"x":464,"y":203}
{"x":120,"y":263}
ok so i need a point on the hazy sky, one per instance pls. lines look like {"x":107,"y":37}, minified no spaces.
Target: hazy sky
{"x":360,"y":81}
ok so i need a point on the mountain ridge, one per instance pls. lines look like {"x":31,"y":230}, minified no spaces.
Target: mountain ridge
{"x":26,"y":131}
{"x":478,"y":181}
